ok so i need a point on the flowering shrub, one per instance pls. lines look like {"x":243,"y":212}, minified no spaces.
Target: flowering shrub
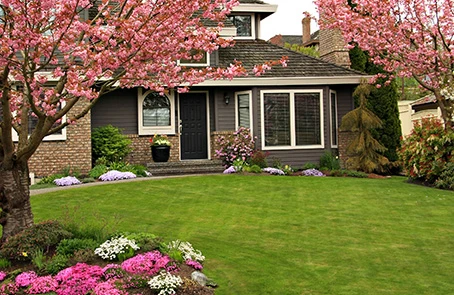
{"x":427,"y":150}
{"x":108,"y":288}
{"x":3,"y":275}
{"x":194,"y":264}
{"x":446,"y":179}
{"x":158,"y":139}
{"x":116,"y":175}
{"x":25,"y":279}
{"x":188,"y":252}
{"x":8,"y":289}
{"x":229,"y":170}
{"x":273,"y":171}
{"x":78,"y":279}
{"x":240,"y":145}
{"x":67,"y":181}
{"x":149,"y":263}
{"x":112,"y":271}
{"x":42,"y":285}
{"x":113,"y":248}
{"x":312,"y":172}
{"x":166,"y":283}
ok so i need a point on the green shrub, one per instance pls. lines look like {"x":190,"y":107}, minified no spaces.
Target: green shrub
{"x":50,"y":179}
{"x":146,"y":241}
{"x":4,"y":263}
{"x":38,"y":259}
{"x":253,"y":169}
{"x":108,"y":142}
{"x":39,"y":236}
{"x":56,"y":264}
{"x":446,"y":179}
{"x":97,"y":171}
{"x":83,"y":255}
{"x":67,"y":171}
{"x":138,"y":170}
{"x":88,"y":180}
{"x":427,"y":150}
{"x":329,"y":161}
{"x":68,"y":247}
{"x":309,"y":166}
{"x":348,"y":173}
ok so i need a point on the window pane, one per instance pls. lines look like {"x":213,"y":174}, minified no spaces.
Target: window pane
{"x":333,"y":118}
{"x":156,"y":110}
{"x":243,"y":111}
{"x":243,"y":24}
{"x":307,"y":118}
{"x":277,"y":119}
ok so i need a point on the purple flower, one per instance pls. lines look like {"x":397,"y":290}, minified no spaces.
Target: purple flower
{"x":273,"y":171}
{"x":66,"y":181}
{"x":229,"y":170}
{"x":116,"y":175}
{"x":312,"y":172}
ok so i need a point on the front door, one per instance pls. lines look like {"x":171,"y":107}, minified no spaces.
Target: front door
{"x":193,"y":120}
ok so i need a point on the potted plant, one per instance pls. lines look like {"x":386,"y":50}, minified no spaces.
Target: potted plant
{"x":160,"y":148}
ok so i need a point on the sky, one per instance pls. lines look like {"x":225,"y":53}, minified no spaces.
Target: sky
{"x":287,"y":19}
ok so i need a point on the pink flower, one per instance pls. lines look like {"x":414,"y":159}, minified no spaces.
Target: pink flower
{"x":43,"y":285}
{"x":194,"y":264}
{"x":149,"y":263}
{"x":25,"y":278}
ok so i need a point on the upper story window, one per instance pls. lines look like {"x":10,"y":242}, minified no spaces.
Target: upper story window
{"x":245,"y":25}
{"x":156,"y":113}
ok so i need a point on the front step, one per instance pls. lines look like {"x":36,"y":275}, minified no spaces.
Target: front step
{"x":185,"y":167}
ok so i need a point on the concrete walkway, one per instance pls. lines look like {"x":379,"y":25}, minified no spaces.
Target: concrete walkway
{"x":35,"y":192}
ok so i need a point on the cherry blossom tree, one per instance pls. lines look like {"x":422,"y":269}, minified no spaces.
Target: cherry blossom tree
{"x":413,"y":38}
{"x":55,"y":54}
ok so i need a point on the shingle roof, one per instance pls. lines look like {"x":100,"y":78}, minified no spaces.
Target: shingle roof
{"x":425,"y":100}
{"x":253,"y":52}
{"x":252,"y":2}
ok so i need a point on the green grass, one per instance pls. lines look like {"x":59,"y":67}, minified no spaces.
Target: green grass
{"x":286,"y":235}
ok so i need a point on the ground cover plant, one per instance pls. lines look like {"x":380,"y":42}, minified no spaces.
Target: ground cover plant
{"x":286,"y":235}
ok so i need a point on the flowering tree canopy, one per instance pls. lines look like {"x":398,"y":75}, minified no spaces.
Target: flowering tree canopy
{"x":57,"y":53}
{"x":413,"y":38}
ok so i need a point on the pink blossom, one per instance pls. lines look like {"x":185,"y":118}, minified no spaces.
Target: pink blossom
{"x":149,"y":263}
{"x":25,"y":279}
{"x":194,"y":264}
{"x":41,"y":285}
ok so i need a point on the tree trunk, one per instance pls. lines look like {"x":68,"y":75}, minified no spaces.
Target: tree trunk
{"x":16,"y":214}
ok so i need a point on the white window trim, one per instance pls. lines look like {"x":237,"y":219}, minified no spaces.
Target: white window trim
{"x":52,"y":137}
{"x":144,"y":130}
{"x":292,"y":145}
{"x":237,"y":119}
{"x":196,"y":63}
{"x":253,"y":28}
{"x":331,"y":119}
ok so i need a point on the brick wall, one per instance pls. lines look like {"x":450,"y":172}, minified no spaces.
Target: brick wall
{"x":53,"y":156}
{"x":345,"y":137}
{"x":332,"y":48}
{"x":141,"y":150}
{"x":214,"y":144}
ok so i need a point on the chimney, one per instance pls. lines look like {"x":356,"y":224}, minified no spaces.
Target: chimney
{"x":306,"y":29}
{"x":333,"y":47}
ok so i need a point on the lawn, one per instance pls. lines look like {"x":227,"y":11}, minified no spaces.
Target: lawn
{"x":286,"y":235}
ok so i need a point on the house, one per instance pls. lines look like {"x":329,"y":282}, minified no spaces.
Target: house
{"x":306,"y":39}
{"x":293,"y":111}
{"x":411,"y":112}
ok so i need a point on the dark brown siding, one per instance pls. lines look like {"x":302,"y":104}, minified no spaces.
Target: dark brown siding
{"x":118,"y":108}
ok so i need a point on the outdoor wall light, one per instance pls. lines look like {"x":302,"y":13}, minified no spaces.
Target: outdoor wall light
{"x":226,"y":98}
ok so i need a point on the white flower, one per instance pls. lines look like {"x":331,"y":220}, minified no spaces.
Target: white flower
{"x":111,"y":248}
{"x":165,"y":282}
{"x":189,"y":253}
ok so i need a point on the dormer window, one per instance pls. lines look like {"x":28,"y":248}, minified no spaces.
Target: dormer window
{"x":245,"y":25}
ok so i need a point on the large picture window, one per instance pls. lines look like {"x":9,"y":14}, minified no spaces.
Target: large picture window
{"x":156,"y":113}
{"x":292,"y":119}
{"x":244,"y":23}
{"x":243,"y":104}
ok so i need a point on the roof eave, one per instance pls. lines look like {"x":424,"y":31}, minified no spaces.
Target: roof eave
{"x":286,"y":81}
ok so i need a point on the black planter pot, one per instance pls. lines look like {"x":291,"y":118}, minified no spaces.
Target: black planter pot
{"x":160,"y":153}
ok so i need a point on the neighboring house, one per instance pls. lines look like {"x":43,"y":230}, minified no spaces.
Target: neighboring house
{"x":411,"y":112}
{"x":293,"y":111}
{"x":306,"y":39}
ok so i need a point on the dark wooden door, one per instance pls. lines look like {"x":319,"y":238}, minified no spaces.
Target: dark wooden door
{"x":193,"y":116}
